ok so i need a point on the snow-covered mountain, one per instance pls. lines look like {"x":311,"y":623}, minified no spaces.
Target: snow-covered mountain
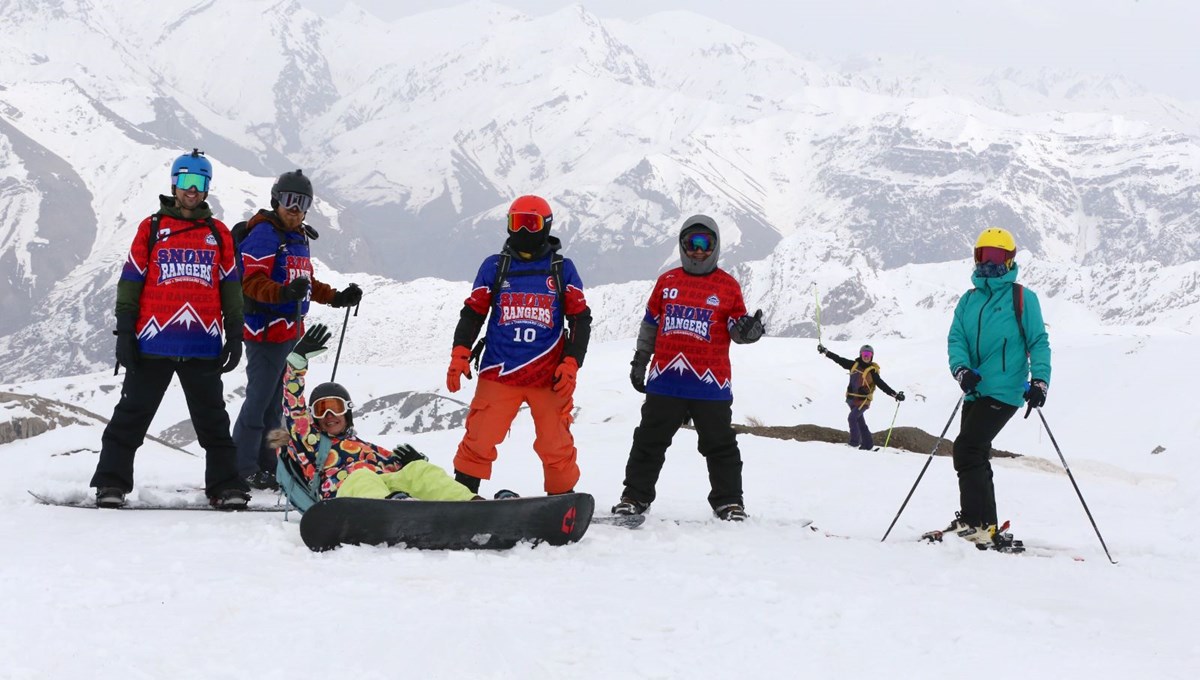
{"x":860,"y":178}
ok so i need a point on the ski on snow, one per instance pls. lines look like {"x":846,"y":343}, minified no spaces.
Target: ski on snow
{"x":89,"y":504}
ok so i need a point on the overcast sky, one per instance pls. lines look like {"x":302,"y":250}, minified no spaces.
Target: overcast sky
{"x":1153,"y":42}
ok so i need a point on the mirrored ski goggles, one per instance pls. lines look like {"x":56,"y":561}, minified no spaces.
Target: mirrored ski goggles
{"x":993,"y":255}
{"x":699,"y":241}
{"x":191,"y":180}
{"x":326,"y":405}
{"x":530,"y":222}
{"x":868,"y":355}
{"x":290,"y":200}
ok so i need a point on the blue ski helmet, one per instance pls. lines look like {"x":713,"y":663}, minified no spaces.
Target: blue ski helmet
{"x":193,"y":163}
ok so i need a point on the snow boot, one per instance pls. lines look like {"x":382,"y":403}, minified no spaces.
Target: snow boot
{"x":730,"y":512}
{"x":263,"y":481}
{"x":110,"y":497}
{"x":628,"y":506}
{"x":469,"y":481}
{"x":230,"y":499}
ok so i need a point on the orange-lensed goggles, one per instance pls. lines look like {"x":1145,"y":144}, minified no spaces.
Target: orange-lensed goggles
{"x":530,"y":222}
{"x":326,"y":405}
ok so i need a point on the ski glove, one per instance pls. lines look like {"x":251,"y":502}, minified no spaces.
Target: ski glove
{"x":128,"y":353}
{"x":407,"y":454}
{"x":564,"y":377}
{"x":349,"y":296}
{"x":460,"y":365}
{"x":1035,"y":396}
{"x":747,"y":329}
{"x":294,"y":291}
{"x":900,"y":396}
{"x":637,"y":374}
{"x":968,"y":379}
{"x":231,"y":354}
{"x":313,"y":342}
{"x":821,"y":349}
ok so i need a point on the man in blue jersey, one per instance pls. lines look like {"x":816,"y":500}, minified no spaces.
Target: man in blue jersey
{"x":537,"y":335}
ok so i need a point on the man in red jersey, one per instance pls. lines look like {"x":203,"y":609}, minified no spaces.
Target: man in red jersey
{"x":694,"y":311}
{"x":178,"y":289}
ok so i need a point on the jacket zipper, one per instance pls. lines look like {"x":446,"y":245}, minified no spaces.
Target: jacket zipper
{"x":979,"y":325}
{"x":1003,"y":357}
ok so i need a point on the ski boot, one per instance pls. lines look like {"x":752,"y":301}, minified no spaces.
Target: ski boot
{"x":110,"y":497}
{"x":628,"y":506}
{"x":730,"y":512}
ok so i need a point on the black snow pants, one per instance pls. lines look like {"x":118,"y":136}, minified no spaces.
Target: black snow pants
{"x":982,"y":420}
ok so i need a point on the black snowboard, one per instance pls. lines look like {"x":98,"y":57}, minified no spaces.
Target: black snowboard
{"x":447,"y":525}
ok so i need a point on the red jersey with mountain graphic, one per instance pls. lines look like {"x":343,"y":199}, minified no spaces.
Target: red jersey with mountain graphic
{"x":179,"y":312}
{"x":691,"y":348}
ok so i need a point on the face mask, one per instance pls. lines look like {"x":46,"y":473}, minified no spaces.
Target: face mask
{"x":990,"y":270}
{"x":527,"y":242}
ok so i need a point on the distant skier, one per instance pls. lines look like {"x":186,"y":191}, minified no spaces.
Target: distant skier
{"x":996,"y":341}
{"x":864,"y":378}
{"x":321,"y":442}
{"x":179,"y":288}
{"x":278,"y":283}
{"x":694,"y":311}
{"x":538,"y":325}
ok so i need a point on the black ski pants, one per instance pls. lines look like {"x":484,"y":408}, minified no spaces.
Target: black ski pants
{"x":141,"y":394}
{"x":661,"y":419}
{"x":982,"y":420}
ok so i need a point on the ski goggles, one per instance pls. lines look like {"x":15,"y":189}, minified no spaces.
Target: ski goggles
{"x":698,"y":241}
{"x":530,"y":222}
{"x":326,"y":405}
{"x":191,"y":180}
{"x":993,"y":255}
{"x":868,"y":355}
{"x":290,"y":200}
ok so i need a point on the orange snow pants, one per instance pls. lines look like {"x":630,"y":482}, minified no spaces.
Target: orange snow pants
{"x":492,"y":412}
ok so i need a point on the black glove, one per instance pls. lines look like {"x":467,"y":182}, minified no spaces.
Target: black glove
{"x":899,"y":396}
{"x":967,"y":379}
{"x":747,"y":329}
{"x":313,"y":342}
{"x":637,"y":374}
{"x":347,"y":297}
{"x":407,"y":454}
{"x":296,"y":290}
{"x":128,"y":353}
{"x":1035,"y":396}
{"x":821,"y":349}
{"x":231,"y":354}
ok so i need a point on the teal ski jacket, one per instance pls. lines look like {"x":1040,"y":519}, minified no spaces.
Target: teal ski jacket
{"x":985,"y":337}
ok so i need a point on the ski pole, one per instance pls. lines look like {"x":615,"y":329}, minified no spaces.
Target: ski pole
{"x":889,"y":435}
{"x":817,"y":297}
{"x":923,"y":469}
{"x":341,"y":337}
{"x":1077,"y":491}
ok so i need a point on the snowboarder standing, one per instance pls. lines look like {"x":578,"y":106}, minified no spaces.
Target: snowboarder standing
{"x":178,"y":289}
{"x":277,"y":281}
{"x":538,"y":324}
{"x":996,"y":341}
{"x":321,"y":441}
{"x":864,"y":378}
{"x":694,"y":311}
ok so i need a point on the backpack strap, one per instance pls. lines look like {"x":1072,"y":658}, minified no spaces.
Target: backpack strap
{"x":501,"y":273}
{"x":153,"y":238}
{"x":1018,"y":293}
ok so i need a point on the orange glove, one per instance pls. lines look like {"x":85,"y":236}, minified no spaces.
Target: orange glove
{"x":564,"y":377}
{"x":460,"y":365}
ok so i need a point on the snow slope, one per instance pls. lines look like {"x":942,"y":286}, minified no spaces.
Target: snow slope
{"x":198,"y":595}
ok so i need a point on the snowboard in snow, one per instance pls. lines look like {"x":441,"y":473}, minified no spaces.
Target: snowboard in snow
{"x":89,"y":503}
{"x":447,"y":525}
{"x":626,"y":521}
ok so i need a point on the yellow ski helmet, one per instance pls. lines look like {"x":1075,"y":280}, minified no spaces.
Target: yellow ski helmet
{"x":991,"y":241}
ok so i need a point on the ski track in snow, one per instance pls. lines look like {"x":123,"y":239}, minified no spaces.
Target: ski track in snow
{"x":104,"y":594}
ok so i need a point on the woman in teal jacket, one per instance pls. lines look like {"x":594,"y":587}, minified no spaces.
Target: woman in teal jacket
{"x":997,"y":342}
